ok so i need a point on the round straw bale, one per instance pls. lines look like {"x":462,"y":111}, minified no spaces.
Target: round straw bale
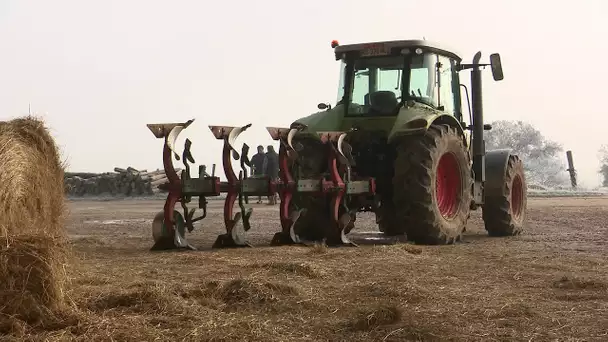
{"x":31,"y":180}
{"x":32,"y":214}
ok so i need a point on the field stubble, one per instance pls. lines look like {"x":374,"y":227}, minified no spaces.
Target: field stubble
{"x":549,"y":283}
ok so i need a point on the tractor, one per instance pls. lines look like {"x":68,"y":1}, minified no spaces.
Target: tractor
{"x":396,"y":143}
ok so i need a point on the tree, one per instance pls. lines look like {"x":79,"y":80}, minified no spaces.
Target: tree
{"x":542,"y":157}
{"x":604,"y":164}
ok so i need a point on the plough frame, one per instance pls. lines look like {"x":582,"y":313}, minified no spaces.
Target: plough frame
{"x":169,"y":234}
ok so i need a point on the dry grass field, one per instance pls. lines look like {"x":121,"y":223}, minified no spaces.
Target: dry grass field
{"x":551,"y":283}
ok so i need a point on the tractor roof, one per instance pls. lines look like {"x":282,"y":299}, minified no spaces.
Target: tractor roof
{"x":424,"y":44}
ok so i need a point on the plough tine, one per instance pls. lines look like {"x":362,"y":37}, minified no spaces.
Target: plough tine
{"x":167,"y":232}
{"x":172,"y":137}
{"x":245,"y":212}
{"x":345,"y":151}
{"x":235,"y":232}
{"x":295,"y":215}
{"x":285,"y":138}
{"x":293,"y":152}
{"x":232,"y":136}
{"x":180,"y":241}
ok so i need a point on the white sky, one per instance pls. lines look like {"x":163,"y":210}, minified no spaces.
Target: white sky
{"x":98,"y":71}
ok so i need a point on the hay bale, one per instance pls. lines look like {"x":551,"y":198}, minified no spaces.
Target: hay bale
{"x":32,"y":216}
{"x":31,"y":180}
{"x":33,"y":278}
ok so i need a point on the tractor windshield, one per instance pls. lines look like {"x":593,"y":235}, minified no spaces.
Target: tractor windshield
{"x":378,"y":85}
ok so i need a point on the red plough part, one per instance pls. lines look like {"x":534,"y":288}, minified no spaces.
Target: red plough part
{"x":237,"y":188}
{"x":169,"y":225}
{"x":342,"y":191}
{"x":343,"y":194}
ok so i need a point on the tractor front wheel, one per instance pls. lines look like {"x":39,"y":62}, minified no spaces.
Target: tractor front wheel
{"x":504,"y":211}
{"x":431,"y":188}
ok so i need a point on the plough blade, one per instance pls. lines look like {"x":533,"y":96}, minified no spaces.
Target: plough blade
{"x":168,"y":238}
{"x":236,"y":236}
{"x":290,"y":238}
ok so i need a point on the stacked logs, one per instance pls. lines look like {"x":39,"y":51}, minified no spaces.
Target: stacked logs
{"x":121,"y":182}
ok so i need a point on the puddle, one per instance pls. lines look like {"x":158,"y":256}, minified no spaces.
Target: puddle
{"x":119,"y":222}
{"x":375,"y":237}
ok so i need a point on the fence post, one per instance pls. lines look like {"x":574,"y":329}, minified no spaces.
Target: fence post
{"x":571,"y":169}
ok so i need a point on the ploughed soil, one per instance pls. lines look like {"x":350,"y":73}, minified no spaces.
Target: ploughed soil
{"x":550,"y":283}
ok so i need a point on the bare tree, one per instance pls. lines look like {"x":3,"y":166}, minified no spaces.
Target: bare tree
{"x":542,"y":157}
{"x":604,"y":164}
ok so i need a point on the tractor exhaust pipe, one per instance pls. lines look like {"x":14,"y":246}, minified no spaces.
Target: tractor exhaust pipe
{"x":477,"y":126}
{"x":479,"y":149}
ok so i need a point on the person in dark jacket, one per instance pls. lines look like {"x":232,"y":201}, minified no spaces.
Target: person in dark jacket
{"x":272,"y":169}
{"x":258,"y":162}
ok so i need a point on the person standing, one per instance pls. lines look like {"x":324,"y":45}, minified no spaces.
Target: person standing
{"x":258,"y":162}
{"x":272,"y":170}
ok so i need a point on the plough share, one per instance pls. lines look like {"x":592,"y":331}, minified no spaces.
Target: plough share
{"x":342,"y":196}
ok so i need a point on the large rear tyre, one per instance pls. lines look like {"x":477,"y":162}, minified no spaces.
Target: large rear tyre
{"x":504,"y":213}
{"x":431,"y":188}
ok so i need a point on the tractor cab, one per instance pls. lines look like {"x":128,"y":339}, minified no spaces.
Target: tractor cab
{"x":380,"y":79}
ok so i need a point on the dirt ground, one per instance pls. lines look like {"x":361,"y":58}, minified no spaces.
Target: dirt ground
{"x":551,"y":283}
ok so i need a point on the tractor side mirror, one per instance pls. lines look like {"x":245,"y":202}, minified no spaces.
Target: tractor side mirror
{"x":496,"y":67}
{"x":323,"y":106}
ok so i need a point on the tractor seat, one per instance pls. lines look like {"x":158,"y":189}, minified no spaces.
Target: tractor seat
{"x":383,"y":102}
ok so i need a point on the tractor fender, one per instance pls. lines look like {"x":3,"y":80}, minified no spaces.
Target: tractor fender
{"x":420,"y":124}
{"x":496,"y":170}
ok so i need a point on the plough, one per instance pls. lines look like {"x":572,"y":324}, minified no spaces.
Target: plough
{"x":335,"y":188}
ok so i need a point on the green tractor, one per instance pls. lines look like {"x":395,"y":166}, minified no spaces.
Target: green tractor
{"x":398,"y":143}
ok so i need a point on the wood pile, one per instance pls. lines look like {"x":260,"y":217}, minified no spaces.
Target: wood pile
{"x":121,"y":182}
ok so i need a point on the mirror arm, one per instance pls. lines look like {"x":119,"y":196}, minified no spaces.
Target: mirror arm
{"x":461,"y":67}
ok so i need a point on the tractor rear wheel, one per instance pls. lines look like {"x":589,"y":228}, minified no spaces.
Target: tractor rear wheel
{"x":431,"y":188}
{"x":504,"y":214}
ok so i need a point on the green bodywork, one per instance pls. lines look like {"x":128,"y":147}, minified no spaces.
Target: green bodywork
{"x":415,"y":118}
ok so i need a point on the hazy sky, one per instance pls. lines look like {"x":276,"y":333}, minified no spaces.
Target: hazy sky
{"x":98,"y":71}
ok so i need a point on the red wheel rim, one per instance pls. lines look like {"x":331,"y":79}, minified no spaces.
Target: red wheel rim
{"x":517,"y":196}
{"x":447,"y":189}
